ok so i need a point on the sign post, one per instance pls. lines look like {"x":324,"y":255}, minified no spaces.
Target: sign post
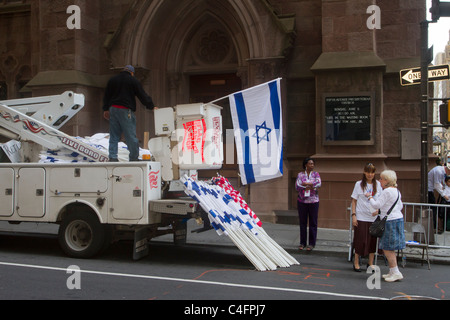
{"x":424,"y":61}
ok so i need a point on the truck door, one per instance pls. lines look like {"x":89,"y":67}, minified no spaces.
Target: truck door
{"x":6,"y":192}
{"x":31,"y":192}
{"x":128,"y":194}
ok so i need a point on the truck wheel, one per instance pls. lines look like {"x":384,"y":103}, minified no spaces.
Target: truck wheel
{"x":81,"y":235}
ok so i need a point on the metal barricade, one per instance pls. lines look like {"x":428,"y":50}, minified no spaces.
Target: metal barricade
{"x":430,"y":216}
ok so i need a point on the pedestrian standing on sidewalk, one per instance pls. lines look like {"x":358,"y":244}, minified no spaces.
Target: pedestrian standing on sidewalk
{"x":362,"y":216}
{"x":307,"y":185}
{"x":436,"y":178}
{"x":393,"y":238}
{"x":442,"y":225}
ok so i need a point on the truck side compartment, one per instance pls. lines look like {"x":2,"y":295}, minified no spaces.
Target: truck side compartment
{"x":94,"y":203}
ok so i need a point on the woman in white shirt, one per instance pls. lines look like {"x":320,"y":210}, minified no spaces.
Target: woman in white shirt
{"x":362,"y":216}
{"x":394,"y":235}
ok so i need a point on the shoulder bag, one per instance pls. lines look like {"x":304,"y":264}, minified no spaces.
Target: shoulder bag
{"x":377,"y":227}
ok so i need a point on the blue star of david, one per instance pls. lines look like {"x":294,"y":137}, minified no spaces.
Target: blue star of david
{"x":264,"y":135}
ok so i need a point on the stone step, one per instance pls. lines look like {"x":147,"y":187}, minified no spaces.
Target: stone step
{"x":286,"y":216}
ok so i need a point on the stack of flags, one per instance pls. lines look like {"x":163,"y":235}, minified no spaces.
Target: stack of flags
{"x":230,"y":218}
{"x":228,"y":188}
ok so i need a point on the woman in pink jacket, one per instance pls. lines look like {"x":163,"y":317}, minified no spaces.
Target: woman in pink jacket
{"x":308,"y":184}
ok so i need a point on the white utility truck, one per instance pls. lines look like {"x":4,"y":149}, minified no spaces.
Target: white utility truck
{"x":98,"y":202}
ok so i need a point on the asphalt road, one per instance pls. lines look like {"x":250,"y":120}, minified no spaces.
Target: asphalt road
{"x":34,"y":268}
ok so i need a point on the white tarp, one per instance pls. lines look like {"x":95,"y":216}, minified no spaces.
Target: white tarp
{"x":99,"y":141}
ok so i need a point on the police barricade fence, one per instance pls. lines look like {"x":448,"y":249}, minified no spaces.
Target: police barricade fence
{"x":435,"y":218}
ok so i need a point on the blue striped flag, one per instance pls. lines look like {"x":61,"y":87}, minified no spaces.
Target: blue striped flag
{"x":257,"y":121}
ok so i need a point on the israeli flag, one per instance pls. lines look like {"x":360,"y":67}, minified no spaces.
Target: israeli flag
{"x":258,"y":131}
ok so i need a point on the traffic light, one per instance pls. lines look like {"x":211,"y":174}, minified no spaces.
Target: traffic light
{"x":444,"y":113}
{"x":439,"y":9}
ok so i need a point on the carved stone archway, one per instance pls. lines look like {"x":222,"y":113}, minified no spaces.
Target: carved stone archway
{"x":159,"y":36}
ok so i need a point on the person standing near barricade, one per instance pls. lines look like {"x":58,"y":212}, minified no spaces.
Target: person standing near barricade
{"x":443,"y":214}
{"x":362,"y":216}
{"x":308,"y":184}
{"x":393,"y":238}
{"x":119,"y":106}
{"x":436,"y":178}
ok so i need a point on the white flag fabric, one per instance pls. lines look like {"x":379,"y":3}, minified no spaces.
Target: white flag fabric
{"x":257,"y":121}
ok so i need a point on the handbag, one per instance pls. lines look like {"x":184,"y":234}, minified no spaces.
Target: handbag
{"x":377,"y":227}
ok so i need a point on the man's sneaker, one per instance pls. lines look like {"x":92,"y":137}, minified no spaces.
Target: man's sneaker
{"x":394,"y":277}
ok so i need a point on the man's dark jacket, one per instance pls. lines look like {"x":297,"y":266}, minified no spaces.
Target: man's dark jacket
{"x":122,"y":90}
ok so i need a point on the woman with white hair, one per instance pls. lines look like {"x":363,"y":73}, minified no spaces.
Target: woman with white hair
{"x":394,"y":235}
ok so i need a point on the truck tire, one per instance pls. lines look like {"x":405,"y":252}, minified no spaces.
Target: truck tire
{"x":81,"y":235}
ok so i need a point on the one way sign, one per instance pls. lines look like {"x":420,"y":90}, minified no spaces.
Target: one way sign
{"x":413,"y":76}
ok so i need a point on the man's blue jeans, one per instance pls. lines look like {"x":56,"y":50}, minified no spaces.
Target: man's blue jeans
{"x":122,"y":121}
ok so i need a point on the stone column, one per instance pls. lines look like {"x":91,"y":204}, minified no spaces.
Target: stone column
{"x":348,"y":67}
{"x":68,"y":58}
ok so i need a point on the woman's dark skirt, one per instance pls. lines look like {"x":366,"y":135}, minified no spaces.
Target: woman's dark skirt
{"x":363,"y":242}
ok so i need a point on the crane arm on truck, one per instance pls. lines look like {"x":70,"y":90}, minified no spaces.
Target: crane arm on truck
{"x":39,"y":120}
{"x":54,"y":111}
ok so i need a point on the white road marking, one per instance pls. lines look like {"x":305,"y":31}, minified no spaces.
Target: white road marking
{"x":247,"y":286}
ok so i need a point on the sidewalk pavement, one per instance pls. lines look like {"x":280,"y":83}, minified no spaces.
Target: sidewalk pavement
{"x":329,"y":241}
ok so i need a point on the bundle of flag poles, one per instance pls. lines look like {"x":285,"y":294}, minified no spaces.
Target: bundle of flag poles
{"x":230,"y":216}
{"x":228,"y":188}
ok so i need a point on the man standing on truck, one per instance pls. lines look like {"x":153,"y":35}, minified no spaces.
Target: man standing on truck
{"x":119,"y":106}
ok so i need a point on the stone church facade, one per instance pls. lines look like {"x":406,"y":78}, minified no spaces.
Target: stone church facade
{"x":200,"y":50}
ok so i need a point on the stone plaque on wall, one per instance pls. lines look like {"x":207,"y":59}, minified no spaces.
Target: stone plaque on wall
{"x":348,"y":119}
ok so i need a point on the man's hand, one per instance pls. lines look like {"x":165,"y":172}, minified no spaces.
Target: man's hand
{"x":106,"y":115}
